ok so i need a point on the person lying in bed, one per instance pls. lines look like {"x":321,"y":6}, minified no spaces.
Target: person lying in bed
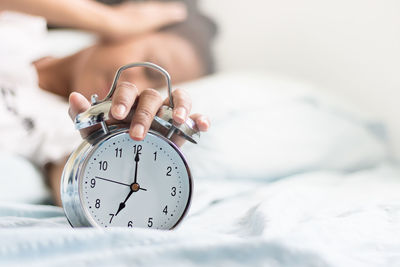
{"x":33,"y":119}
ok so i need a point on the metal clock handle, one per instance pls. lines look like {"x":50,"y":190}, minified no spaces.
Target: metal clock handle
{"x":98,"y":113}
{"x":141,"y":64}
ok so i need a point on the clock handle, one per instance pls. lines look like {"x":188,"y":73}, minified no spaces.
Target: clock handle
{"x":98,"y":113}
{"x":163,"y":122}
{"x":141,"y":64}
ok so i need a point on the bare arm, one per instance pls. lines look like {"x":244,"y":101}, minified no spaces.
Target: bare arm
{"x":82,"y":14}
{"x":114,"y":22}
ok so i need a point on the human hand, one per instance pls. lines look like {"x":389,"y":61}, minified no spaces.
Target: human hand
{"x":145,"y":104}
{"x":130,"y":18}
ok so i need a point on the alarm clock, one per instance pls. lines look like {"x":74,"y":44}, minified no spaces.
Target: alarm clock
{"x":111,"y":180}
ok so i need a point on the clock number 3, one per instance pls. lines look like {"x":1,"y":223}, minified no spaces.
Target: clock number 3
{"x":173,"y":191}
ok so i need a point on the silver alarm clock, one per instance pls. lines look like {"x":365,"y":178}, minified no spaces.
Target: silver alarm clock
{"x":112,"y":180}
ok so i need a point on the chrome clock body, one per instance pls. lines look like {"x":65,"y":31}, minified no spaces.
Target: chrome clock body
{"x":168,"y":177}
{"x":72,"y":180}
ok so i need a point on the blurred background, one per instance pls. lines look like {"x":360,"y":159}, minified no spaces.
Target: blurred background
{"x":347,"y":47}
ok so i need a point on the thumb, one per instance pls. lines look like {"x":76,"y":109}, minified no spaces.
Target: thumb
{"x":77,"y":104}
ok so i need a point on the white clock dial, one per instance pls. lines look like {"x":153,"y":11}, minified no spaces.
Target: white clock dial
{"x":157,"y":198}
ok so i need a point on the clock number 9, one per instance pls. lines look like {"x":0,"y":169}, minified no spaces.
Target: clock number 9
{"x":92,"y":183}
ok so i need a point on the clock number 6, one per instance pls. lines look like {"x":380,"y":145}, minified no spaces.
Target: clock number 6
{"x":130,"y":224}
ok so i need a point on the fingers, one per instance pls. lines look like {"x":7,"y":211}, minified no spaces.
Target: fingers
{"x":77,"y":104}
{"x":168,"y":13}
{"x":124,"y":96}
{"x":149,"y":102}
{"x":137,"y":18}
{"x":202,"y":122}
{"x":182,"y":105}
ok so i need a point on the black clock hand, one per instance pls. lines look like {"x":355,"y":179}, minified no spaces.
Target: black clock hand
{"x":122,"y":204}
{"x":136,"y":167}
{"x":134,"y":187}
{"x":109,"y":180}
{"x":112,"y":181}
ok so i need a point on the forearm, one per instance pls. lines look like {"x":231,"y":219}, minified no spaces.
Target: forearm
{"x":81,"y":14}
{"x":53,"y":175}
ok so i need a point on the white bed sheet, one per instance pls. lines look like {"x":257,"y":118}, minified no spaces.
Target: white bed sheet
{"x":314,"y":219}
{"x":286,"y":177}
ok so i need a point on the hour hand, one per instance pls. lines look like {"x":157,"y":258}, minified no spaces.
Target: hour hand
{"x":122,"y":204}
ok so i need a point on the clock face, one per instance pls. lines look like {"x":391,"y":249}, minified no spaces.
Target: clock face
{"x":135,"y":183}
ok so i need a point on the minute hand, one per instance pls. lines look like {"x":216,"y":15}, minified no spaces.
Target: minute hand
{"x":136,"y":167}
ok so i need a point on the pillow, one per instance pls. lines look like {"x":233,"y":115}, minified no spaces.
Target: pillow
{"x":268,"y":127}
{"x":20,"y":180}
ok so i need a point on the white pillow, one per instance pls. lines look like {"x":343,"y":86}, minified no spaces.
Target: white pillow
{"x":20,"y":180}
{"x":266,"y":127}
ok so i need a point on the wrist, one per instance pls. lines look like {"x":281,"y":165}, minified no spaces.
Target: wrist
{"x":54,"y":75}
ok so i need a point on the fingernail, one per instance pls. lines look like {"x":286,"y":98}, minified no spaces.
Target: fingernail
{"x":180,"y":113}
{"x":138,"y":131}
{"x":120,"y":110}
{"x":205,"y":122}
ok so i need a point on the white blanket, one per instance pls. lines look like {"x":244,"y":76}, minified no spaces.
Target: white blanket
{"x":317,"y":219}
{"x":285,"y":177}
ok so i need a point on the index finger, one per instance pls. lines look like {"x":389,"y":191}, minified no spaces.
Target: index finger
{"x":123,"y":99}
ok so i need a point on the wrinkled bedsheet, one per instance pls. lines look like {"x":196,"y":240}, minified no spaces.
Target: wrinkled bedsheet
{"x":314,"y":219}
{"x":287,"y":176}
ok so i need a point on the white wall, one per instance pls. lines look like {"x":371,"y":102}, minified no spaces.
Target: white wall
{"x":351,"y":47}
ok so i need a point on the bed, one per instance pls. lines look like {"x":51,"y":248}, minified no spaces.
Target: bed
{"x":287,"y":176}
